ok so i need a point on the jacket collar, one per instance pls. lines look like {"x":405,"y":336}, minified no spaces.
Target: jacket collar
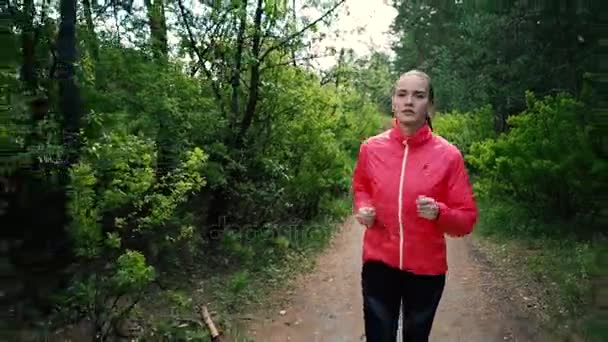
{"x":421,"y":136}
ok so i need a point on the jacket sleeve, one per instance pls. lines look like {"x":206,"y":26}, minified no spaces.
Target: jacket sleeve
{"x":458,"y":213}
{"x":361,"y":185}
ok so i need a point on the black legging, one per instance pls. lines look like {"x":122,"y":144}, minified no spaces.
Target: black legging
{"x":383,"y":289}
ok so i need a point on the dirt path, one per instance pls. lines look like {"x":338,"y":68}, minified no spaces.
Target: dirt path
{"x":327,"y":305}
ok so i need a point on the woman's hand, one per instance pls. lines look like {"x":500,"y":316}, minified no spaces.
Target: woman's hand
{"x":366,"y":216}
{"x":427,"y":207}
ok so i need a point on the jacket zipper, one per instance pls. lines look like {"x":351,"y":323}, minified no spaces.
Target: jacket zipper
{"x":401,"y":233}
{"x":401,"y":183}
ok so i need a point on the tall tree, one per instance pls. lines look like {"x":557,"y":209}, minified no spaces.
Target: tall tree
{"x":28,"y":45}
{"x":92,"y":40}
{"x":69,"y":95}
{"x":493,"y":51}
{"x":158,"y":27}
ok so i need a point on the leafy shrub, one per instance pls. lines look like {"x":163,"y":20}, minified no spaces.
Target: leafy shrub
{"x":105,"y":298}
{"x":304,"y":154}
{"x":463,"y":129}
{"x":121,"y":212}
{"x":545,"y":161}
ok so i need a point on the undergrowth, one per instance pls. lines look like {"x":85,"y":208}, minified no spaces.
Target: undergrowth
{"x":239,"y":278}
{"x":562,"y":265}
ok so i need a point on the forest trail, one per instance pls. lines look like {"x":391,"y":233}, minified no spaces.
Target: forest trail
{"x":326,"y":304}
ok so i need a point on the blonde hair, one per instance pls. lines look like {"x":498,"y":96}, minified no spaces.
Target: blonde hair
{"x":422,"y":74}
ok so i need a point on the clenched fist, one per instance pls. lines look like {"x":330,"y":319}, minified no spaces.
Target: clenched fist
{"x":366,"y":216}
{"x":427,"y":207}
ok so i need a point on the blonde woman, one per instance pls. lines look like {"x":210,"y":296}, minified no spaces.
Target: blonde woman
{"x":410,"y":189}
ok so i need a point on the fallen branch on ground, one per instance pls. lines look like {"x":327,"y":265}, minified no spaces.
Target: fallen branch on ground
{"x":215,"y":334}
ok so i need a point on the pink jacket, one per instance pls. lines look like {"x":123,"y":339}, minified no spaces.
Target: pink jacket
{"x":392,"y":170}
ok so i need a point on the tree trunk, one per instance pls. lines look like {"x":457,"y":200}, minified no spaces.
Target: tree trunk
{"x":158,"y":28}
{"x":254,"y":75}
{"x":238,"y":61}
{"x":92,"y":40}
{"x":69,"y":96}
{"x":158,"y":42}
{"x":294,"y":18}
{"x":28,"y":45}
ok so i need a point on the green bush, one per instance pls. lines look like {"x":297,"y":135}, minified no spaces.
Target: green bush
{"x":545,"y":161}
{"x":465,"y":129}
{"x":303,"y":158}
{"x":121,"y":212}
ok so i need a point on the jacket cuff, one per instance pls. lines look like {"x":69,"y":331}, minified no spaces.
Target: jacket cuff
{"x":442,"y":213}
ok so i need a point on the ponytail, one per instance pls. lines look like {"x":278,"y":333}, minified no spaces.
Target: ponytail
{"x":428,"y":121}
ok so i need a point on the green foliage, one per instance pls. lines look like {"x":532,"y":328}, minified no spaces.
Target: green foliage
{"x":239,"y":282}
{"x":85,"y":229}
{"x":13,"y":132}
{"x":545,"y":160}
{"x":107,"y":298}
{"x":465,"y":129}
{"x":132,"y":273}
{"x":118,"y":172}
{"x":29,"y":145}
{"x":493,"y":53}
{"x":234,"y":247}
{"x":553,"y":256}
{"x":372,"y":77}
{"x":153,"y":145}
{"x":302,"y":153}
{"x":116,"y":201}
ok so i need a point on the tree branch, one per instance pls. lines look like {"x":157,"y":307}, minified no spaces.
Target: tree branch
{"x":294,"y":35}
{"x":212,"y":30}
{"x":199,"y":54}
{"x":293,"y":60}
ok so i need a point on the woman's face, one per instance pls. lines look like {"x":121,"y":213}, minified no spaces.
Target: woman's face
{"x":411,"y":100}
